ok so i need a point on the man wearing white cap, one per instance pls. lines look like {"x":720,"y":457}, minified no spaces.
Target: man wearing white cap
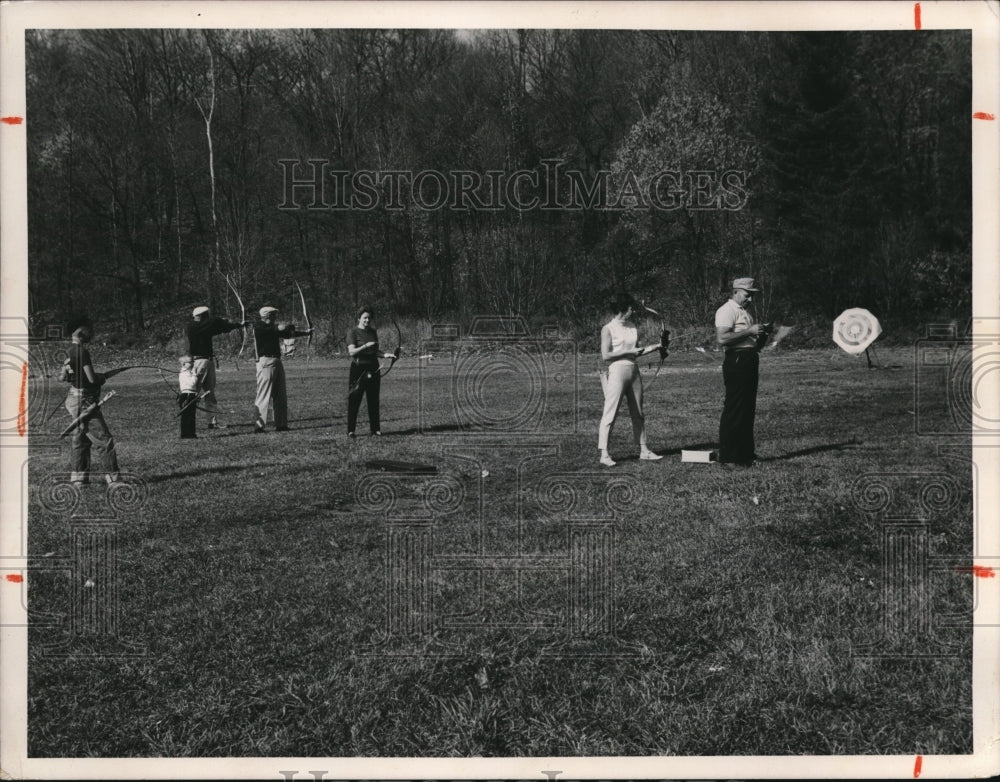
{"x":199,"y":334}
{"x":737,"y":333}
{"x":271,"y":388}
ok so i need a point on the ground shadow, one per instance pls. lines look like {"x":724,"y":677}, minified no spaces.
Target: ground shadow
{"x":196,"y":473}
{"x":809,"y":451}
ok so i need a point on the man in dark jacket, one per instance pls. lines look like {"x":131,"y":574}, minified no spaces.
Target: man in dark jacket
{"x":199,"y":334}
{"x":271,"y":387}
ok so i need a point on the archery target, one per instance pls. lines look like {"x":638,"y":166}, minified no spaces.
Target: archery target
{"x":855,"y":330}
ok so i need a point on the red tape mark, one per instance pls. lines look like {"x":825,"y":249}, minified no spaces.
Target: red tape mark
{"x":12,"y":120}
{"x":15,"y":578}
{"x":917,"y":765}
{"x":22,"y":407}
{"x":977,"y":570}
{"x":916,"y":16}
{"x":983,"y":115}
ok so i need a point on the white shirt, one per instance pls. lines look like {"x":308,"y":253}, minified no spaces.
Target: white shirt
{"x":732,"y":316}
{"x":188,"y":381}
{"x":623,"y":337}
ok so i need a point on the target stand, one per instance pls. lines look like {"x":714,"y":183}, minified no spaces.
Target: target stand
{"x":869,"y":353}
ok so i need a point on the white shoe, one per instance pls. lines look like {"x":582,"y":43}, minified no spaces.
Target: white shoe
{"x":607,"y":461}
{"x":649,"y":456}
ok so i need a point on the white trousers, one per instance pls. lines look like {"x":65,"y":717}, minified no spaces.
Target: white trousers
{"x":271,"y":388}
{"x":623,"y":380}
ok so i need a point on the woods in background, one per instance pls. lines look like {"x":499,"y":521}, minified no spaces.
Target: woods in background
{"x":154,"y":171}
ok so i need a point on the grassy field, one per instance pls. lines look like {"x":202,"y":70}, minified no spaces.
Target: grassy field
{"x":255,"y":576}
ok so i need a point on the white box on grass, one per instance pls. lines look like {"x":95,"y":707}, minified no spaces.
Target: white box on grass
{"x":699,"y":456}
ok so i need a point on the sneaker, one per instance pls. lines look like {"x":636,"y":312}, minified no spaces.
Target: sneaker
{"x":649,"y":456}
{"x":607,"y":461}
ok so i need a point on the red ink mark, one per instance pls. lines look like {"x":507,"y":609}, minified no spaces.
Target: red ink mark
{"x":983,"y":115}
{"x":22,"y":408}
{"x":977,"y":570}
{"x":916,"y":16}
{"x":15,"y":578}
{"x":11,"y":120}
{"x":916,"y":766}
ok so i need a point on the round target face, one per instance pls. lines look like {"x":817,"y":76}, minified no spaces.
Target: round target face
{"x":855,"y":330}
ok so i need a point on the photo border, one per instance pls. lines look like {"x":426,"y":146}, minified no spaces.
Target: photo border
{"x":981,"y":18}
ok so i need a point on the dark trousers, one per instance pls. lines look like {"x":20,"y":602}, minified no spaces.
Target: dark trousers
{"x":740,"y":372}
{"x":189,"y":413}
{"x":364,"y":381}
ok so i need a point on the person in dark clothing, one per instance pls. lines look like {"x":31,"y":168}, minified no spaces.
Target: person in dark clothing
{"x":199,"y":335}
{"x":365,"y":379}
{"x":93,"y":431}
{"x":271,"y":387}
{"x":738,"y":334}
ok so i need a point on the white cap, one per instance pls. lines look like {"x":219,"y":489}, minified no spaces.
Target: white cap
{"x":199,"y":311}
{"x":265,"y":311}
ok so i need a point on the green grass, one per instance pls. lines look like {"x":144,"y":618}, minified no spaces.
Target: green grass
{"x":256,"y":581}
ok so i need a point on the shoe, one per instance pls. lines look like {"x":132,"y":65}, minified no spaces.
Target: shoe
{"x":216,"y":425}
{"x":258,"y":429}
{"x":189,"y":437}
{"x":607,"y":461}
{"x":281,"y":428}
{"x":351,"y":435}
{"x":376,"y":434}
{"x":649,"y":456}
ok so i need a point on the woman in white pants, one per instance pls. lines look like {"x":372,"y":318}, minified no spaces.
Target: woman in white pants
{"x":619,"y":349}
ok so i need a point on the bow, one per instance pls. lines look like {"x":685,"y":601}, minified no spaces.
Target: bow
{"x":396,"y":352}
{"x":161,"y":370}
{"x":87,"y":414}
{"x":243,"y":319}
{"x":664,"y":343}
{"x":197,"y":398}
{"x":305,"y":314}
{"x":382,"y":370}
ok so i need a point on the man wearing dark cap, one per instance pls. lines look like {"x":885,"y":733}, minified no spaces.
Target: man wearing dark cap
{"x":737,"y":334}
{"x":199,"y":334}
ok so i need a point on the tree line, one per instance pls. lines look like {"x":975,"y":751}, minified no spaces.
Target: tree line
{"x":555,"y":167}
